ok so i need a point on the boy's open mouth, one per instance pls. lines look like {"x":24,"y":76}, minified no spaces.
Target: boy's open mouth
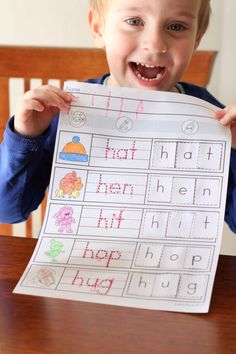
{"x":148,"y":72}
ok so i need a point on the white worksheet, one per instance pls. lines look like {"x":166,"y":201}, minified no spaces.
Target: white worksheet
{"x":136,"y":201}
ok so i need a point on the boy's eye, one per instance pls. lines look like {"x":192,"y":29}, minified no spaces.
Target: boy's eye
{"x":134,"y":21}
{"x":176,"y":27}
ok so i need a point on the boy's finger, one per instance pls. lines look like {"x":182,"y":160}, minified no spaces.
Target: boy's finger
{"x":228,"y":118}
{"x":47,"y":97}
{"x":48,"y":90}
{"x":32,"y":105}
{"x":220,"y":113}
{"x":64,"y":95}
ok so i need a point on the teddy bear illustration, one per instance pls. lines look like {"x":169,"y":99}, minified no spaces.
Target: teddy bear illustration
{"x":69,"y":185}
{"x":45,"y":277}
{"x":64,"y":219}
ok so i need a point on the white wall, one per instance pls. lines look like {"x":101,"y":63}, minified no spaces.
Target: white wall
{"x":44,"y":22}
{"x":227,"y":70}
{"x":64,"y":23}
{"x":212,"y":40}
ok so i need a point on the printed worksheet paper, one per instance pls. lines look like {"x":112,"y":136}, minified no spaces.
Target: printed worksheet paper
{"x":136,"y":201}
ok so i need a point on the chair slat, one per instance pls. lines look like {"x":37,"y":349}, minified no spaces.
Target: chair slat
{"x":53,"y":63}
{"x":26,"y":85}
{"x":29,"y":227}
{"x":200,"y":68}
{"x":44,"y":81}
{"x":4,"y":104}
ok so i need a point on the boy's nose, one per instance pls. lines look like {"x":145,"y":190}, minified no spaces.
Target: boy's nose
{"x":155,"y":42}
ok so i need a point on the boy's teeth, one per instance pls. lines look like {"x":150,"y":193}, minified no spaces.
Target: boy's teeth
{"x":149,"y":72}
{"x":146,"y":79}
{"x":147,"y":65}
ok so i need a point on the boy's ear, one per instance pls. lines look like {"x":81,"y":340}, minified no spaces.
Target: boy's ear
{"x":96,"y":28}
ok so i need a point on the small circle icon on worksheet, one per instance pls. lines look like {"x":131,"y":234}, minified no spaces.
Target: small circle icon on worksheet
{"x":190,"y":127}
{"x":124,"y":124}
{"x":77,"y":119}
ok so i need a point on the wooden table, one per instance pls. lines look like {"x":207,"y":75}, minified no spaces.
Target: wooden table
{"x":30,"y":324}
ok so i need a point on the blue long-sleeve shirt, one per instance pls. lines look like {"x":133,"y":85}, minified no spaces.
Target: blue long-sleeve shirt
{"x":25,"y":167}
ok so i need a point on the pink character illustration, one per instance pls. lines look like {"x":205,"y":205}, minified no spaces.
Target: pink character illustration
{"x":64,"y":219}
{"x":69,"y":185}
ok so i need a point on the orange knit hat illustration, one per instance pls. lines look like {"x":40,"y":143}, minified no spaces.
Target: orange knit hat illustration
{"x":74,"y":151}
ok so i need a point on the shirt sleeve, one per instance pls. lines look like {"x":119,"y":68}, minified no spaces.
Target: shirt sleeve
{"x":230,"y":212}
{"x":24,"y":173}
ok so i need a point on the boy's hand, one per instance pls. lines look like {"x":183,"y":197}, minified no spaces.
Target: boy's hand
{"x":227,"y":116}
{"x":37,"y":107}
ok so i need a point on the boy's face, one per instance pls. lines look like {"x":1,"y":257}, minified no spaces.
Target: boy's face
{"x":148,"y":43}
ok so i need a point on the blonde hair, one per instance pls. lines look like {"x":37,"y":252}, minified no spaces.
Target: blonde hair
{"x":203,"y":17}
{"x":100,"y":6}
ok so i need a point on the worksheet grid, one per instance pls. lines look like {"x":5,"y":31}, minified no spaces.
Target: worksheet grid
{"x":146,"y":154}
{"x":152,"y":224}
{"x":175,"y":264}
{"x":178,"y":286}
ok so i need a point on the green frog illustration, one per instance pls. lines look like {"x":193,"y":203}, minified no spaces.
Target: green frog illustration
{"x":56,"y":248}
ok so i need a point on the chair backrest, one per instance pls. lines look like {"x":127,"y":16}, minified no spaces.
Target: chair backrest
{"x":62,"y":64}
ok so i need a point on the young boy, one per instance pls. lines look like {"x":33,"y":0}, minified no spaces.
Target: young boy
{"x":149,"y":44}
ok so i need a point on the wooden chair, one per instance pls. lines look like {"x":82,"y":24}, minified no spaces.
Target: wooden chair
{"x":68,"y":64}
